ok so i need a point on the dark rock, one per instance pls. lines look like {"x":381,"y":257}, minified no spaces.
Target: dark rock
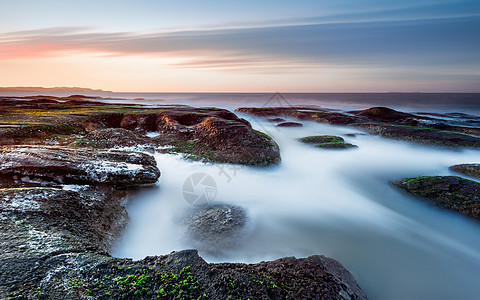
{"x":40,"y":223}
{"x":209,"y":134}
{"x":301,"y":113}
{"x":113,"y":138}
{"x":77,"y":166}
{"x":450,"y":192}
{"x":214,"y":228}
{"x":54,"y":243}
{"x":290,"y":124}
{"x":385,"y":114}
{"x":423,"y":135}
{"x":217,"y":135}
{"x":327,"y":142}
{"x":276,"y":120}
{"x":472,"y":170}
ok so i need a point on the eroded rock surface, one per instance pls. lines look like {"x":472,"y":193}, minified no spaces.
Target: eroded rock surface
{"x":216,"y":227}
{"x":472,"y":170}
{"x":451,"y":130}
{"x":209,"y":134}
{"x":327,"y":142}
{"x":77,"y":166}
{"x":450,"y":192}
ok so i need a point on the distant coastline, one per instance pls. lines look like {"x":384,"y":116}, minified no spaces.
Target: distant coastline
{"x":62,"y":89}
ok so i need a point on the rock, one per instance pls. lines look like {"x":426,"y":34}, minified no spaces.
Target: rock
{"x":385,"y":114}
{"x":113,"y":138}
{"x":54,"y":246}
{"x":330,"y":279}
{"x":214,"y":228}
{"x":62,"y":165}
{"x":472,"y":170}
{"x":216,"y":135}
{"x":302,"y":113}
{"x":290,"y":124}
{"x":389,"y":123}
{"x":450,"y":192}
{"x":276,"y":120}
{"x":37,"y":224}
{"x":208,"y":134}
{"x":423,"y":135}
{"x":327,"y":142}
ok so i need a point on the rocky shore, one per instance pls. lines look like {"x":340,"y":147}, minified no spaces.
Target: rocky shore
{"x":67,"y":166}
{"x":449,"y":130}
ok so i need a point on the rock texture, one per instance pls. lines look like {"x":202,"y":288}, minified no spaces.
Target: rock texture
{"x":290,"y":124}
{"x":472,"y":170}
{"x":450,"y":192}
{"x":451,"y":130}
{"x":209,"y":134}
{"x":327,"y":142}
{"x":215,"y":228}
{"x":55,"y":242}
{"x":76,"y":166}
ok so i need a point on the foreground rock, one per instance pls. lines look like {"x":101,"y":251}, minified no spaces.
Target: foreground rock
{"x":327,"y":142}
{"x":451,"y":130}
{"x":208,"y":134}
{"x":54,"y":245}
{"x":63,"y":165}
{"x":450,"y":192}
{"x":472,"y":170}
{"x":215,"y":228}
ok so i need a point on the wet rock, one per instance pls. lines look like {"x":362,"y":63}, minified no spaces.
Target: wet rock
{"x":327,"y":142}
{"x":77,"y":166}
{"x":113,"y":138}
{"x":208,"y":134}
{"x":472,"y":170}
{"x":54,"y":246}
{"x":302,"y":113}
{"x":315,"y":277}
{"x":216,"y":135}
{"x":276,"y":120}
{"x":389,"y":123}
{"x":290,"y":124}
{"x":385,"y":114}
{"x":214,"y":228}
{"x":450,"y":192}
{"x":423,"y":135}
{"x":40,"y":223}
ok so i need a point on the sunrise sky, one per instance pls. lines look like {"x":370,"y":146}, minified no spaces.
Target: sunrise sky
{"x":242,"y":46}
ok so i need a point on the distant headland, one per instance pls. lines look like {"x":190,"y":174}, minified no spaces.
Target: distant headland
{"x":62,"y":89}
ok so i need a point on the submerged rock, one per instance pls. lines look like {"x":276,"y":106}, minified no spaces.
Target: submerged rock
{"x":214,"y":228}
{"x":450,"y":192}
{"x":472,"y":170}
{"x":290,"y":124}
{"x":76,"y":166}
{"x":327,"y":142}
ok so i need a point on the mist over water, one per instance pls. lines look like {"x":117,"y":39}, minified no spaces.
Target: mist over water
{"x":335,"y":203}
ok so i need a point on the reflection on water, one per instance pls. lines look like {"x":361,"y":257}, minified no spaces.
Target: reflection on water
{"x":336,"y":203}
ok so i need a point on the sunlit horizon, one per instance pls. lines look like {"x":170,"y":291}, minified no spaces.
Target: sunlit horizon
{"x":303,"y":47}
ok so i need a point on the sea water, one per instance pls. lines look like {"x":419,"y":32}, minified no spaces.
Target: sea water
{"x":333,"y":202}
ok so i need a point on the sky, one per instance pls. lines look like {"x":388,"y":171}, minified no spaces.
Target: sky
{"x":242,"y":46}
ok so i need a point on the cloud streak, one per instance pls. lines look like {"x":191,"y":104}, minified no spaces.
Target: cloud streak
{"x":424,"y":42}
